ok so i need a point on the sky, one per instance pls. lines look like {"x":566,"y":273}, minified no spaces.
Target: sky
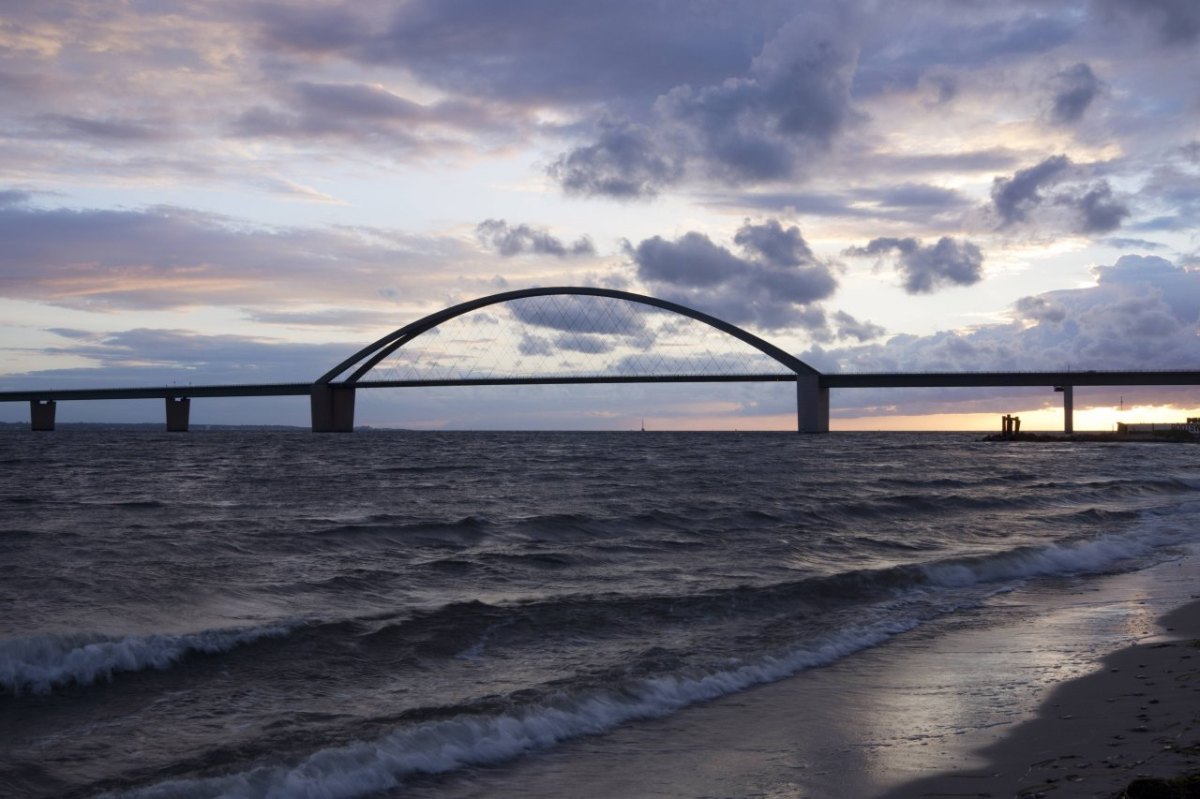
{"x":242,"y":191}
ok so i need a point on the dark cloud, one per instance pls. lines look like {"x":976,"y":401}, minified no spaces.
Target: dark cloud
{"x":754,"y":126}
{"x":773,"y":244}
{"x":586,"y":344}
{"x":1040,"y":309}
{"x":102,"y":131}
{"x":918,"y":195}
{"x":1074,"y":90}
{"x":363,"y":113}
{"x":926,"y":268}
{"x":846,"y":326}
{"x":534,"y":345}
{"x":1176,"y":22}
{"x":624,"y":162}
{"x":1134,"y":244}
{"x":914,"y":45}
{"x":1056,"y":182}
{"x":509,"y":241}
{"x":770,"y":286}
{"x":581,"y":314}
{"x":530,"y":51}
{"x":1099,"y":209}
{"x":692,"y":260}
{"x":1013,"y":198}
{"x":14,"y":197}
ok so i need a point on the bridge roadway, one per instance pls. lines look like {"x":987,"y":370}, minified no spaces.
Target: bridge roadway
{"x":333,"y":403}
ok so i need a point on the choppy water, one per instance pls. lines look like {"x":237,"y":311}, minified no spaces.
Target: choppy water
{"x":281,"y":614}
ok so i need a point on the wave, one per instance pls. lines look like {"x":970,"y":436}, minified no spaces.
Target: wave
{"x":39,"y":663}
{"x":437,"y":747}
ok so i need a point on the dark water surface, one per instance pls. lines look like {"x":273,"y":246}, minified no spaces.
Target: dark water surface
{"x":256,"y":614}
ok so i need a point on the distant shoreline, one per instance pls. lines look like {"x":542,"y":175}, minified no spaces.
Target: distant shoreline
{"x":1158,"y":437}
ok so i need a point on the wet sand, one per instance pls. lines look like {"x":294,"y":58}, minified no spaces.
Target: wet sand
{"x":1065,"y":690}
{"x":1137,"y":716}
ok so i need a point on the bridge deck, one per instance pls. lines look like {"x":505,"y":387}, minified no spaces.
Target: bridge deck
{"x":842,"y":380}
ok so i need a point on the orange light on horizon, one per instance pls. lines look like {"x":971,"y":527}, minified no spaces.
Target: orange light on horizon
{"x":1097,"y":419}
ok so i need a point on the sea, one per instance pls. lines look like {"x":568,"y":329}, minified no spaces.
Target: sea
{"x":272,"y":613}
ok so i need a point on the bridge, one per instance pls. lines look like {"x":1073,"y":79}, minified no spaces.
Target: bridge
{"x":576,"y":322}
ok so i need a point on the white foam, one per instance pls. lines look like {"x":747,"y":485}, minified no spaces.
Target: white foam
{"x":37,"y":663}
{"x":435,"y":747}
{"x":1077,"y":557}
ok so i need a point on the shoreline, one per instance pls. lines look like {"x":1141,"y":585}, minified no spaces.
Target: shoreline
{"x":1162,"y":437}
{"x":944,"y":710}
{"x":1137,"y":717}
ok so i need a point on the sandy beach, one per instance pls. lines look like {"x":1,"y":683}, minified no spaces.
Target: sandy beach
{"x":1135,"y":717}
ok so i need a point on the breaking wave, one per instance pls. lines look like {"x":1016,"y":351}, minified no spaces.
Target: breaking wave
{"x":39,"y":663}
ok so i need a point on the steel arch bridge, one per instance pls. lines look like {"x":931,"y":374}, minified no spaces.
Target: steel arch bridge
{"x":333,"y":392}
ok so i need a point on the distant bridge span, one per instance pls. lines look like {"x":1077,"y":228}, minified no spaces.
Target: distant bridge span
{"x":332,"y":399}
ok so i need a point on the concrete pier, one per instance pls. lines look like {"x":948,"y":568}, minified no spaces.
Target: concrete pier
{"x":1068,"y":393}
{"x":332,"y":409}
{"x":177,"y":414}
{"x":812,"y":405}
{"x":41,"y":414}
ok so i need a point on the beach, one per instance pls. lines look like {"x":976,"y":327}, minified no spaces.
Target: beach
{"x":1133,"y":718}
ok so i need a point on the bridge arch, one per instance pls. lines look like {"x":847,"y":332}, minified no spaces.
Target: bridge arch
{"x":370,"y":356}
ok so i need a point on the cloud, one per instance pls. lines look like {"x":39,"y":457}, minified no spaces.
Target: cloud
{"x":913,"y":46}
{"x":846,"y":326}
{"x":103,"y":131}
{"x":1089,"y":208}
{"x":925,"y":268}
{"x":1099,"y":209}
{"x":1074,"y":90}
{"x":369,"y":114}
{"x":14,"y":197}
{"x":510,"y":241}
{"x":1013,"y":198}
{"x":155,"y":356}
{"x":581,"y":314}
{"x":526,"y":52}
{"x":1039,"y":309}
{"x":1133,"y":244}
{"x":773,"y":285}
{"x":624,"y":162}
{"x":169,"y":257}
{"x":913,"y":204}
{"x":1176,"y":22}
{"x":754,"y":127}
{"x":1142,"y":314}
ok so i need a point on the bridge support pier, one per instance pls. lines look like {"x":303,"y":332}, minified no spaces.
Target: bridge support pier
{"x":177,"y":414}
{"x":812,"y":405}
{"x":332,"y":409}
{"x":1068,"y":393}
{"x":41,"y":414}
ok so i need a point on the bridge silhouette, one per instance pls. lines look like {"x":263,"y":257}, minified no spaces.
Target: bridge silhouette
{"x":581,"y":320}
